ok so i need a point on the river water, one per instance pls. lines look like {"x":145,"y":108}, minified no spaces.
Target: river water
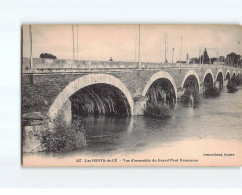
{"x":213,"y":126}
{"x":216,"y":118}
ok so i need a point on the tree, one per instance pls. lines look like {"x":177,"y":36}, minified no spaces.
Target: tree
{"x":205,"y":58}
{"x":221,"y":58}
{"x":233,"y":59}
{"x":47,"y":55}
{"x":213,"y":60}
{"x":194,"y":61}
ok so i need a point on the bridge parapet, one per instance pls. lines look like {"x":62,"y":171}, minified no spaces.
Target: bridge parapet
{"x":41,"y":65}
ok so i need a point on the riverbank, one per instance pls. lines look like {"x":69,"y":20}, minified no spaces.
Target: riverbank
{"x":58,"y":137}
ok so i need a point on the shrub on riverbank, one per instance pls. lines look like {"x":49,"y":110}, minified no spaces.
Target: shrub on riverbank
{"x":158,"y":110}
{"x":212,"y":91}
{"x":232,"y":87}
{"x":236,"y":80}
{"x":186,"y":97}
{"x":239,"y":80}
{"x":64,"y":138}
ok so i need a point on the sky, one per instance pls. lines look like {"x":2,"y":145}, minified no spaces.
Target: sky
{"x":100,"y":42}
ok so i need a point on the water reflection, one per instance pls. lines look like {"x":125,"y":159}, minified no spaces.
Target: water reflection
{"x":106,"y":133}
{"x":213,"y":118}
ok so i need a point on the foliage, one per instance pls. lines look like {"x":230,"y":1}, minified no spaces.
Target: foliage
{"x":221,"y":58}
{"x":213,"y":60}
{"x":195,"y":61}
{"x":205,"y":57}
{"x":158,"y":110}
{"x":236,"y":80}
{"x":212,"y":91}
{"x":185,"y":98}
{"x":233,"y":59}
{"x":232,"y":86}
{"x":64,"y":138}
{"x":47,"y":55}
{"x":191,"y":91}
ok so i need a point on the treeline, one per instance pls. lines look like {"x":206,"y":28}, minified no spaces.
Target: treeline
{"x":231,"y":59}
{"x":47,"y":55}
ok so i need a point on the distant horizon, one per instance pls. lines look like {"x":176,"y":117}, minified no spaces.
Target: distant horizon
{"x":120,"y":60}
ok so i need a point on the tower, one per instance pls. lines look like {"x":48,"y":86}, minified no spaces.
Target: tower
{"x":187,"y":59}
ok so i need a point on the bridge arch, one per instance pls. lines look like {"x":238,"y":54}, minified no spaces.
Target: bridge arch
{"x":227,"y":75}
{"x":209,"y":71}
{"x":160,"y":75}
{"x":234,"y":73}
{"x":85,"y":81}
{"x":238,"y":73}
{"x":220,"y":78}
{"x":220,"y":70}
{"x":191,"y":73}
{"x":208,"y":82}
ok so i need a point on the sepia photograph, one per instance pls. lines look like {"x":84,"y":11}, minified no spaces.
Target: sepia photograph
{"x":131,"y":95}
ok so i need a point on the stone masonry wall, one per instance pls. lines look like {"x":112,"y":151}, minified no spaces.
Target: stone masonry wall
{"x":46,"y":87}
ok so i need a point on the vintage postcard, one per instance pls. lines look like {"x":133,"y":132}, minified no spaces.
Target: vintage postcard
{"x":131,"y":95}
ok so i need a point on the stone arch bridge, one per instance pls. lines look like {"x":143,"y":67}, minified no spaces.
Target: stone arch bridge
{"x":49,"y":88}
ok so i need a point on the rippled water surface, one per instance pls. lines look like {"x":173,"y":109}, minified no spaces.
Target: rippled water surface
{"x":214,"y":118}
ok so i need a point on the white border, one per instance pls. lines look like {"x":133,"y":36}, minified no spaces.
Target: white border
{"x":13,"y":13}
